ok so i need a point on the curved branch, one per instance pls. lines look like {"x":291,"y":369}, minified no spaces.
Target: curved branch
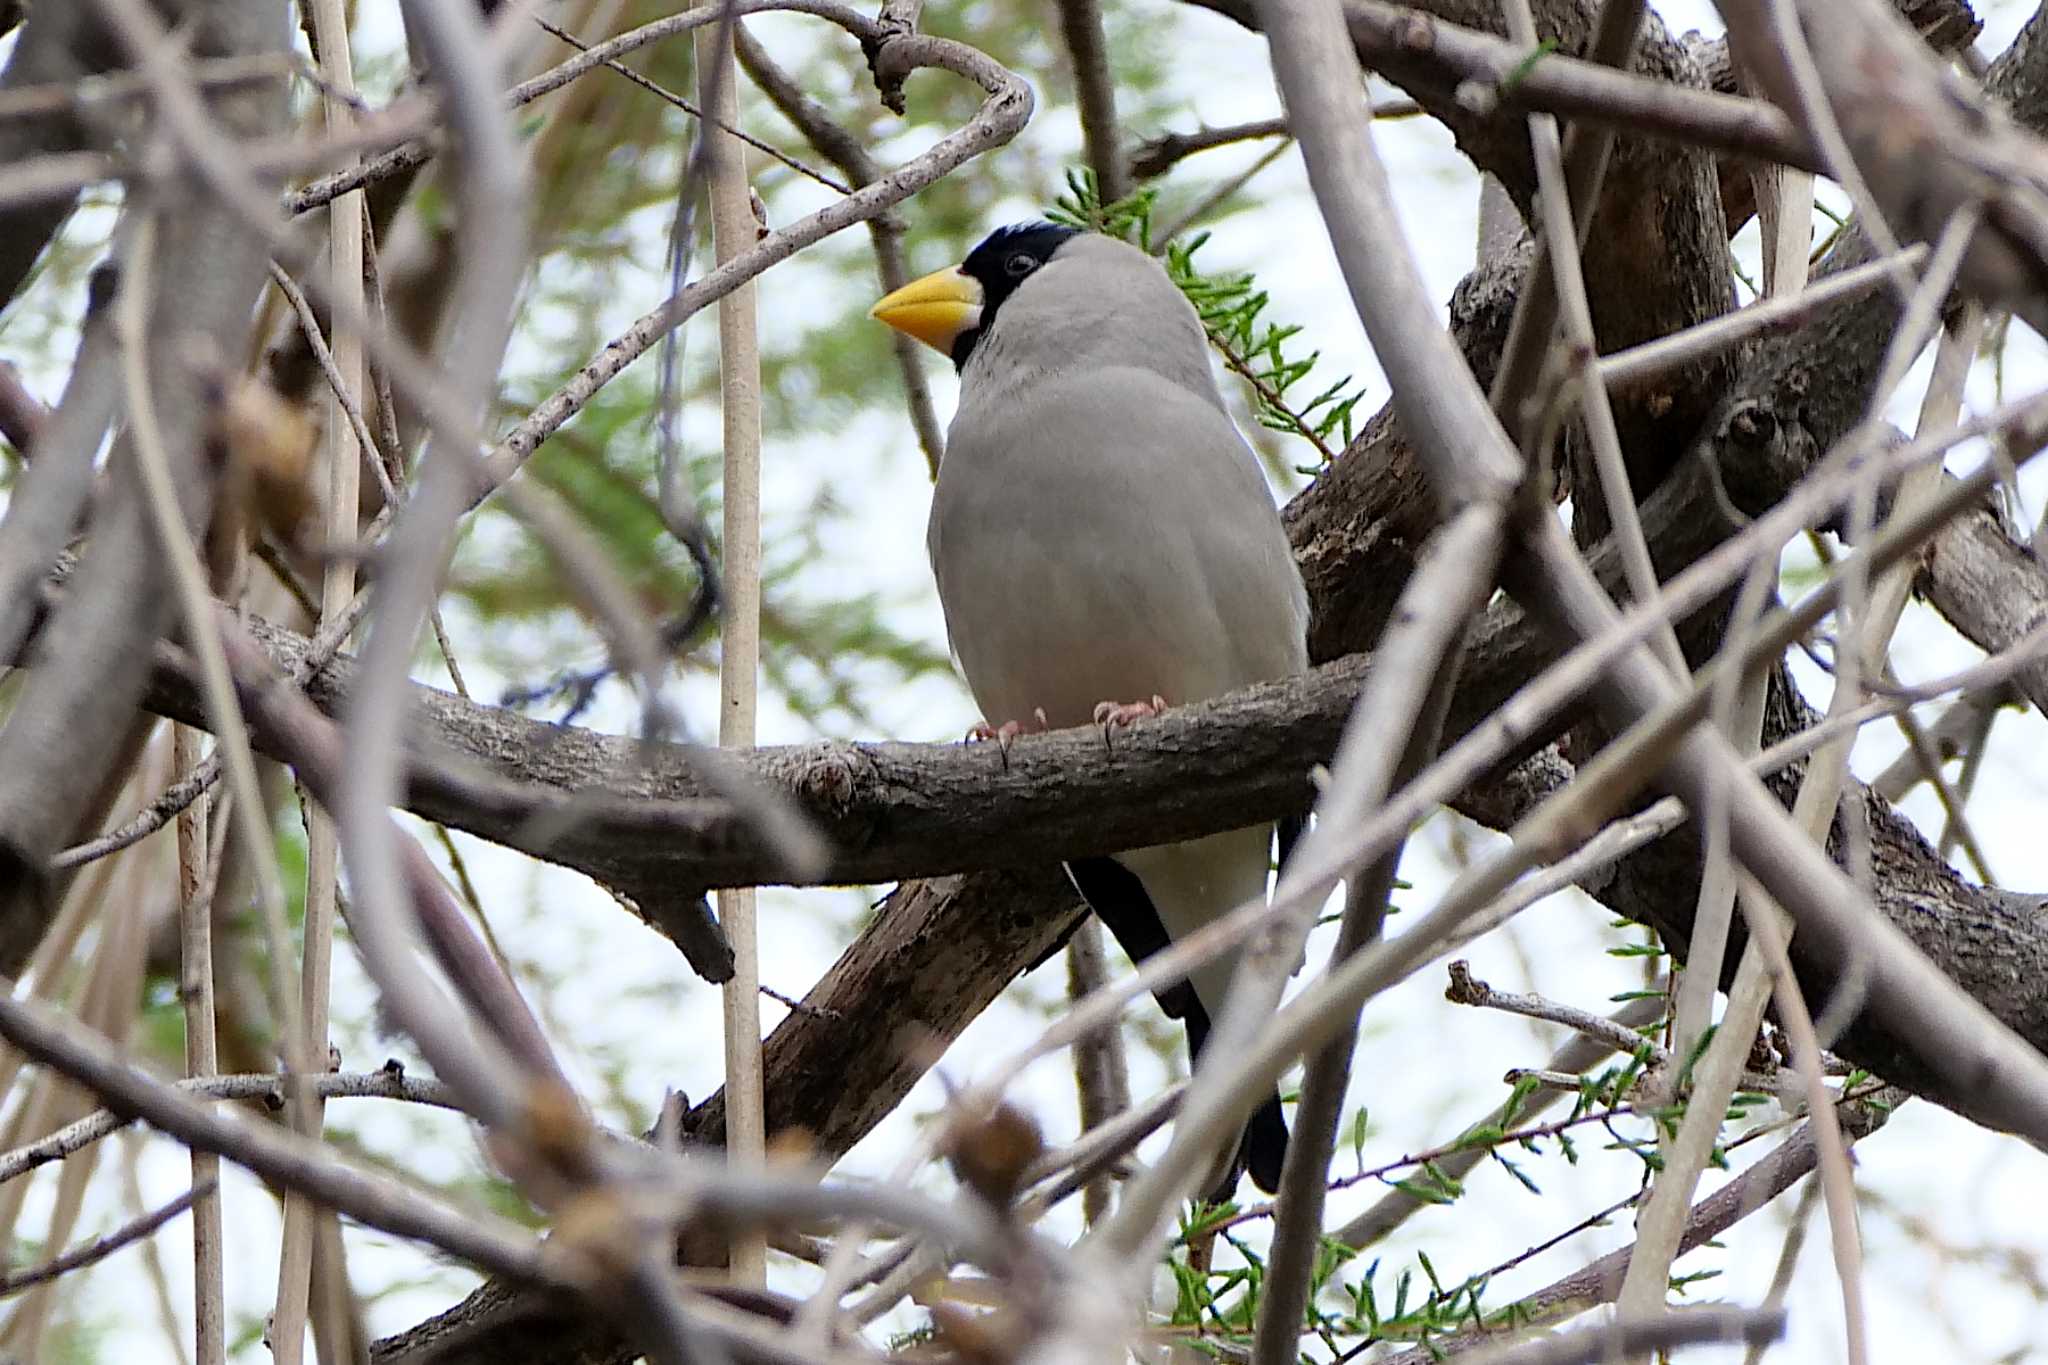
{"x":998,"y":120}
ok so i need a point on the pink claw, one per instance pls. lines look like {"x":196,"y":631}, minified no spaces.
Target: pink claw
{"x":1113,"y":715}
{"x":1004,"y":734}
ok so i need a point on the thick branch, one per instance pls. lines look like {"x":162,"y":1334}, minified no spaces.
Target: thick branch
{"x":894,"y":808}
{"x":1992,"y":589}
{"x":1658,"y":215}
{"x":60,"y":44}
{"x":64,"y":737}
{"x":633,"y":813}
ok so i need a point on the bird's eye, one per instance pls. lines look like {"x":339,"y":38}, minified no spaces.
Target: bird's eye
{"x":1020,"y":265}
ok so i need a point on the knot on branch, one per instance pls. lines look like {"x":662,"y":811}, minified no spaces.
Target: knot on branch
{"x":1465,"y":988}
{"x":1752,"y":426}
{"x":831,"y":775}
{"x":1760,"y":447}
{"x":1409,"y":31}
{"x":889,"y":62}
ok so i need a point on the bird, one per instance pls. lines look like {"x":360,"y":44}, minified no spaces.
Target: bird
{"x":1105,"y":546}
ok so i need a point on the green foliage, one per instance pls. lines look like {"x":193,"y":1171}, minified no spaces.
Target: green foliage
{"x":1649,"y":946}
{"x":1433,"y":1185}
{"x":820,"y":652}
{"x":1680,"y":1284}
{"x":1699,"y":1050}
{"x":1233,"y":313}
{"x":161,"y":1035}
{"x":1370,"y":1316}
{"x":75,"y":1339}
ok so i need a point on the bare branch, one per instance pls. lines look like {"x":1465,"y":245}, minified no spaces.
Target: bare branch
{"x":1095,"y":93}
{"x":198,"y":885}
{"x":1415,"y":673}
{"x":390,"y":1083}
{"x":51,"y":496}
{"x":295,"y":1162}
{"x":102,"y":1247}
{"x":845,"y":151}
{"x":1000,"y":116}
{"x":1922,"y":138}
{"x":1576,"y":1054}
{"x":1599,"y":1282}
{"x":55,"y":47}
{"x":739,"y":656}
{"x":1686,"y":1327}
{"x":60,"y":737}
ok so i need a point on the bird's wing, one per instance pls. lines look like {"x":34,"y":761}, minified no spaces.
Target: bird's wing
{"x":1105,"y":536}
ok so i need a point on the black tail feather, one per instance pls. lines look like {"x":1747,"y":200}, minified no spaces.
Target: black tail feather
{"x":1261,"y":1154}
{"x":1264,"y":1151}
{"x":1119,"y":900}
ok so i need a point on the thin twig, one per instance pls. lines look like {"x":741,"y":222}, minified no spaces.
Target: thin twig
{"x":847,"y":152}
{"x":998,"y":119}
{"x":1649,"y":361}
{"x":739,"y":655}
{"x":182,"y":793}
{"x":1446,"y":591}
{"x":369,"y":1196}
{"x":348,"y":444}
{"x":1102,"y":1077}
{"x":1633,"y":1338}
{"x":196,"y":887}
{"x":1095,"y":95}
{"x":1559,"y":192}
{"x":1467,"y":989}
{"x":267,"y":1089}
{"x":1599,"y":1282}
{"x":1955,"y":828}
{"x":1576,"y":1054}
{"x":723,"y":125}
{"x":168,"y":1316}
{"x":1788,"y":1261}
{"x":1785,"y":206}
{"x":188,"y":577}
{"x":493,"y":257}
{"x":99,"y":1248}
{"x":117,"y":87}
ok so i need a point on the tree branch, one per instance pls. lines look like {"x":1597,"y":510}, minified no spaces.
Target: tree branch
{"x":62,"y":738}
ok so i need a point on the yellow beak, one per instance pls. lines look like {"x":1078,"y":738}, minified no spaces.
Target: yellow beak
{"x":935,"y":309}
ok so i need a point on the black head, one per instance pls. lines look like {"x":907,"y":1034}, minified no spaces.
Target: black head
{"x":1005,"y":259}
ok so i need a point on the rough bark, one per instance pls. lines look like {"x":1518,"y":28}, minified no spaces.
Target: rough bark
{"x":60,"y":43}
{"x":64,"y":738}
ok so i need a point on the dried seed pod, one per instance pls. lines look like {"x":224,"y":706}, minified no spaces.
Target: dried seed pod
{"x":266,"y":446}
{"x":990,"y":1152}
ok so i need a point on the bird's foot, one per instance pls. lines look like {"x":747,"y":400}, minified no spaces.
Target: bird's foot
{"x":981,"y":732}
{"x":1115,"y":715}
{"x":1006,"y":733}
